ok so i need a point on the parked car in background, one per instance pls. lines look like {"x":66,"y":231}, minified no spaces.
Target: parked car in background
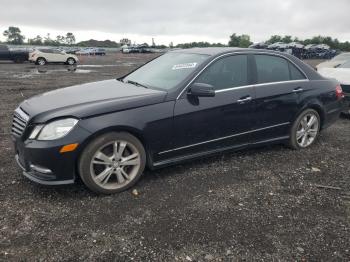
{"x":136,"y":49}
{"x":84,"y":51}
{"x":44,"y":56}
{"x":98,"y":51}
{"x":182,"y":105}
{"x":72,"y":50}
{"x":335,"y":61}
{"x":342,"y":74}
{"x":260,"y":45}
{"x":17,"y":56}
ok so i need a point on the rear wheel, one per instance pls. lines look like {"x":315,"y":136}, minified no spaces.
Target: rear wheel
{"x":41,"y":61}
{"x":305,"y":129}
{"x":71,"y":61}
{"x":112,"y":163}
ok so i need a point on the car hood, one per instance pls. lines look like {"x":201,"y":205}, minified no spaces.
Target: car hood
{"x":330,"y":64}
{"x":90,"y":99}
{"x":340,"y":74}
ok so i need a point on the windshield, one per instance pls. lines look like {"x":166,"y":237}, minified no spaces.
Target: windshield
{"x":166,"y":71}
{"x":340,"y":57}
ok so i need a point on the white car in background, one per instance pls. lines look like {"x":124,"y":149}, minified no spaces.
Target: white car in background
{"x":44,"y":56}
{"x":335,"y":61}
{"x":85,"y":51}
{"x":342,"y":74}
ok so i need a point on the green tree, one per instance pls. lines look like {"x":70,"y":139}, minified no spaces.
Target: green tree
{"x":48,"y":40}
{"x":234,"y":40}
{"x":60,"y":39}
{"x":38,"y":40}
{"x":14,"y":35}
{"x":239,"y":40}
{"x":70,"y":38}
{"x":287,"y":39}
{"x":274,"y":39}
{"x":244,"y":41}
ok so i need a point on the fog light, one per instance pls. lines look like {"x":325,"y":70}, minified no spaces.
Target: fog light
{"x":39,"y":169}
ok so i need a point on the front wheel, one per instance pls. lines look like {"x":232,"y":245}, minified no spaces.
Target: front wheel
{"x":41,"y":61}
{"x":305,"y":129}
{"x":112,"y":163}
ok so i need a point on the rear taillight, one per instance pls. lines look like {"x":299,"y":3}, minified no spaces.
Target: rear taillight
{"x":339,"y":92}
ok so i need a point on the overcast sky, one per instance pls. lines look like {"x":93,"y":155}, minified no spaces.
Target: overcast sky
{"x":177,"y":20}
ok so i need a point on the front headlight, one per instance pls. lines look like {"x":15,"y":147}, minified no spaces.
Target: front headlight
{"x":53,"y":130}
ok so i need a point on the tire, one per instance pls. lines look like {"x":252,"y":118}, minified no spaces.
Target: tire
{"x":105,"y":170}
{"x":346,"y":114}
{"x":305,"y":131}
{"x":18,"y":60}
{"x":41,"y":61}
{"x":70,"y":61}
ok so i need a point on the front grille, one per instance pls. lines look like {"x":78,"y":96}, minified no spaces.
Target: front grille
{"x":20,"y":120}
{"x":346,"y":88}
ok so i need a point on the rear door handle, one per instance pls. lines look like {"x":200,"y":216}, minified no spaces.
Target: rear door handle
{"x":244,"y":99}
{"x":298,"y":90}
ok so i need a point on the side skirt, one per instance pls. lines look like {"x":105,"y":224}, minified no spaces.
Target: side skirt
{"x":176,"y":160}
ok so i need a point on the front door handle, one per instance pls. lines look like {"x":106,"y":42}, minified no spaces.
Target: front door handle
{"x":244,"y":99}
{"x":298,"y":90}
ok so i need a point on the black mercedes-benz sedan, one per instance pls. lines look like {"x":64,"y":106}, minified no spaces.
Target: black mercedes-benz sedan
{"x":181,"y":105}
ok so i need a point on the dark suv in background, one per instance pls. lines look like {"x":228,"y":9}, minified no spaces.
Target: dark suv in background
{"x":17,"y":56}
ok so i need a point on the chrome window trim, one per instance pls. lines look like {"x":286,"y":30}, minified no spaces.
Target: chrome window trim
{"x":245,"y":53}
{"x":222,"y":138}
{"x":257,"y":85}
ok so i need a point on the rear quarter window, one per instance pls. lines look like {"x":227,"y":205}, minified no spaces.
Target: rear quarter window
{"x":295,"y":73}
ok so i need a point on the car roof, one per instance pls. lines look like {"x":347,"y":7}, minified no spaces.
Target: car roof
{"x":214,"y":51}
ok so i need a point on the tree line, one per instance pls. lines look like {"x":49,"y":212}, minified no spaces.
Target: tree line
{"x":14,"y":36}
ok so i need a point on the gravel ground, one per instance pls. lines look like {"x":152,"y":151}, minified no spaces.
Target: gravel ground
{"x":261,"y":204}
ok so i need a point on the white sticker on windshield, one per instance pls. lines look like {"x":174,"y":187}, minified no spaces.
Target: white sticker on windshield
{"x":184,"y":66}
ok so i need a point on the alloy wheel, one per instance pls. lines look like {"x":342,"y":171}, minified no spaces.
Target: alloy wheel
{"x":307,"y":130}
{"x":70,"y":61}
{"x":115,"y":164}
{"x":41,"y":61}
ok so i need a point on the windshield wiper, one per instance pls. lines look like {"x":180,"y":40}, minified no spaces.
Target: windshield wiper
{"x":136,"y":83}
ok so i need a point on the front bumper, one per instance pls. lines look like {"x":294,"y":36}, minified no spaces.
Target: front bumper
{"x":36,"y":175}
{"x":42,"y":162}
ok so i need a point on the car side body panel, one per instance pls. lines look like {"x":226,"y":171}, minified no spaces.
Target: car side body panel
{"x":175,"y":126}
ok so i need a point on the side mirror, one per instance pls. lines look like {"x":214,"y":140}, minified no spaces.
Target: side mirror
{"x":202,"y":90}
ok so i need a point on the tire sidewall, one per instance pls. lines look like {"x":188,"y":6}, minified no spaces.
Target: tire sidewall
{"x":90,"y":150}
{"x":293,"y":140}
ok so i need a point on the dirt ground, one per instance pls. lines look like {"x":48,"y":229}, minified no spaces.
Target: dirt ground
{"x":262,"y":204}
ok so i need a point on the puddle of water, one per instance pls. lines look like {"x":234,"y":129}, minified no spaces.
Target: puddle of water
{"x":38,"y":71}
{"x":95,"y":66}
{"x":42,"y":71}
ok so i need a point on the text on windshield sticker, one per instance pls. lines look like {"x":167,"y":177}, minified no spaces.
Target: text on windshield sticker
{"x":184,"y":66}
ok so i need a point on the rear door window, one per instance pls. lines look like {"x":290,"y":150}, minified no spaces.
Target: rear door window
{"x":271,"y":69}
{"x":228,"y":72}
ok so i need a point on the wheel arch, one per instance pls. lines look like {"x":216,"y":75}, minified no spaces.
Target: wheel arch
{"x":315,"y":105}
{"x":131,"y":130}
